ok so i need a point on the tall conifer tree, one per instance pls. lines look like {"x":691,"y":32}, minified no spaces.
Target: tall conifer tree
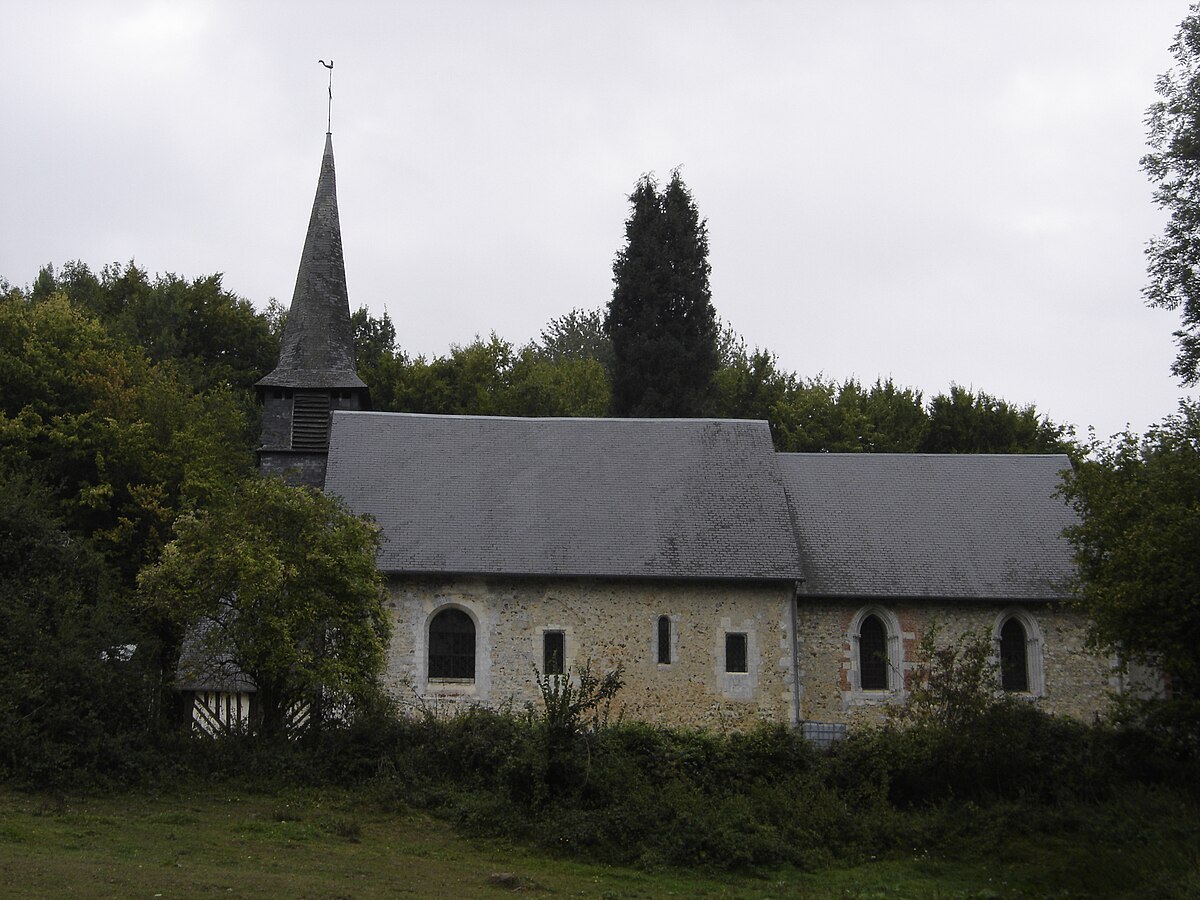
{"x":661,"y":318}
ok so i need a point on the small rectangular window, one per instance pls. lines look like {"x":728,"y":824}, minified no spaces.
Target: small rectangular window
{"x":735,"y":653}
{"x":664,"y":640}
{"x":554,"y":652}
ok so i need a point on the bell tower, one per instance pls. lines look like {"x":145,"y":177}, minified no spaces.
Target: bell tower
{"x":316,"y":373}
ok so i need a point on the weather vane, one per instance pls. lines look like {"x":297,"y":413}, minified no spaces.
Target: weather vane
{"x":329,"y":121}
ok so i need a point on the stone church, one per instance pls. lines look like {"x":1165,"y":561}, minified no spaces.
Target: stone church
{"x":733,"y":584}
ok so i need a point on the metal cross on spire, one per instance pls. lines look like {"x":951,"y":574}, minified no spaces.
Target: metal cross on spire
{"x":329,"y":121}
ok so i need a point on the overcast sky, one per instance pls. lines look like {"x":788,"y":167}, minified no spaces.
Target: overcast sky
{"x":933,"y":191}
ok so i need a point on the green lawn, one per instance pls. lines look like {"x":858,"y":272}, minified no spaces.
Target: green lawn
{"x":313,"y":843}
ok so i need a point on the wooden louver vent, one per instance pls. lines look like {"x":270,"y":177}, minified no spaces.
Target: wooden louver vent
{"x":310,"y":421}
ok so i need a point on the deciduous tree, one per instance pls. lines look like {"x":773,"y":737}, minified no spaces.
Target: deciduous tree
{"x":1173,"y":165}
{"x":967,"y":422}
{"x":1137,"y":544}
{"x":577,"y":335}
{"x":215,"y":338}
{"x":280,"y":584}
{"x":122,"y":443}
{"x":74,"y":695}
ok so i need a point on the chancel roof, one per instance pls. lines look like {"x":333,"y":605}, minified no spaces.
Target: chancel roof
{"x":620,"y":498}
{"x":317,"y":348}
{"x":930,"y":525}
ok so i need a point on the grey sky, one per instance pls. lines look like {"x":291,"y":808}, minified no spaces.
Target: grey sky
{"x":933,"y":191}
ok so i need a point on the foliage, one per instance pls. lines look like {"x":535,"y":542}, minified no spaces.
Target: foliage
{"x":280,"y":583}
{"x":1137,"y":547}
{"x":960,"y":737}
{"x":112,"y":446}
{"x":661,"y":319}
{"x":951,"y":684}
{"x":568,"y":698}
{"x":375,"y":345}
{"x":73,"y":692}
{"x":819,"y":416}
{"x":1006,"y":751}
{"x":574,"y":709}
{"x":488,"y":378}
{"x":122,"y":442}
{"x":565,"y":374}
{"x":578,"y":335}
{"x":660,"y":796}
{"x":965,"y":422}
{"x":1173,"y":166}
{"x":213,"y":337}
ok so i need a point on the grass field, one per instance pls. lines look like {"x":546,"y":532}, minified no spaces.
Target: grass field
{"x":218,"y":842}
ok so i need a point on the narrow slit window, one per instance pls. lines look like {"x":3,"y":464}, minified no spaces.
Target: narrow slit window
{"x":735,"y":653}
{"x":554,"y":652}
{"x":664,"y":640}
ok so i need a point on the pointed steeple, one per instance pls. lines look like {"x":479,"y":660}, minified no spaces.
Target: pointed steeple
{"x":316,"y":373}
{"x":317,"y":349}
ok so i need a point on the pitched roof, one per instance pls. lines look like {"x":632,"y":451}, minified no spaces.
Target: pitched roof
{"x":925,"y":525}
{"x":203,"y":668}
{"x":317,"y":349}
{"x":664,"y":498}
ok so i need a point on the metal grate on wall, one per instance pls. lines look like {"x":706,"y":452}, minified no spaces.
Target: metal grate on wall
{"x":823,"y":734}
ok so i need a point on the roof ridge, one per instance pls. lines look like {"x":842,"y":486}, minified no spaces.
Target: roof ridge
{"x":548,"y":419}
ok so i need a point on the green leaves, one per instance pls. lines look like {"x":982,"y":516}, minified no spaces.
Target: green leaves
{"x":1173,"y":165}
{"x":484,"y":377}
{"x":1138,"y":544}
{"x":281,"y":582}
{"x":124,"y":443}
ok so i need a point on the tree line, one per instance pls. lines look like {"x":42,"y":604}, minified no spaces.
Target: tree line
{"x":567,"y":371}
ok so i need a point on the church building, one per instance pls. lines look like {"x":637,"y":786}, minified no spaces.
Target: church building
{"x":731,"y":583}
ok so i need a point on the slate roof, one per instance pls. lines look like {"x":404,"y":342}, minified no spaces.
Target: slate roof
{"x":926,"y":525}
{"x":202,"y":669}
{"x":317,"y":348}
{"x":661,"y":498}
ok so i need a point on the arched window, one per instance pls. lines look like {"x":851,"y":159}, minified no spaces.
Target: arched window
{"x":872,"y":655}
{"x":1017,"y":640}
{"x":876,"y":655}
{"x":452,"y":645}
{"x":1014,"y":662}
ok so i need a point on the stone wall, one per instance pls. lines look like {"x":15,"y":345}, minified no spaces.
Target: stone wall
{"x":294,"y":466}
{"x":1071,"y":681}
{"x":605,"y":623}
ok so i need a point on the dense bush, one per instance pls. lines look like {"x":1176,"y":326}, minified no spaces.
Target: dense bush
{"x":649,"y":796}
{"x":1010,"y":752}
{"x":654,"y":796}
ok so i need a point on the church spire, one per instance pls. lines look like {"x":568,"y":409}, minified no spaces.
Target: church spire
{"x":317,"y":349}
{"x":316,"y":374}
